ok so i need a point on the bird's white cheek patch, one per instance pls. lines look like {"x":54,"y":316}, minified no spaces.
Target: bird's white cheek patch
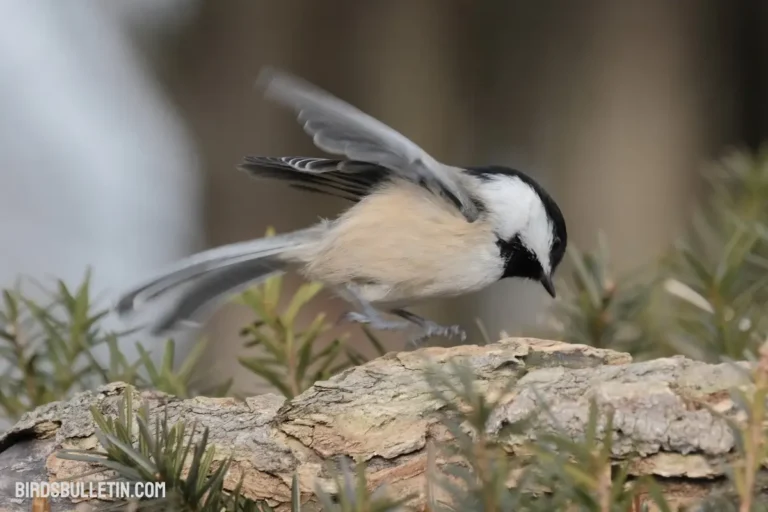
{"x":518,"y":210}
{"x":510,"y":201}
{"x":538,"y":238}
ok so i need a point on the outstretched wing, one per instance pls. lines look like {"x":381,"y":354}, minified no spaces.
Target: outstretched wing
{"x":341,"y":129}
{"x":341,"y":178}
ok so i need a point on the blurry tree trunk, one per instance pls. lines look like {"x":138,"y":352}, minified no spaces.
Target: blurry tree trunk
{"x":751,"y":53}
{"x":613,"y":103}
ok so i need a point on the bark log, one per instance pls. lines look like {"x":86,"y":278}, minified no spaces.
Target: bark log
{"x":382,"y":412}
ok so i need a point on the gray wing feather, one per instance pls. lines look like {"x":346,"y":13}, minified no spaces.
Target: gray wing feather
{"x":341,"y":129}
{"x":347,"y":179}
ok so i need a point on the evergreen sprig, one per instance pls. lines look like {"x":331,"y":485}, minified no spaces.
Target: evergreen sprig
{"x":750,"y":431}
{"x":597,"y":308}
{"x":47,"y":352}
{"x":177,"y":455}
{"x":479,"y":469}
{"x":705,"y":298}
{"x":580,"y":474}
{"x":291,"y":358}
{"x":554,"y":472}
{"x":183,"y":459}
{"x":352,"y":493}
{"x":718,"y":270}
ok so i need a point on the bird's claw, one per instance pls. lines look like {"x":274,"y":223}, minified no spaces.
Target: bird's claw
{"x":428,"y":328}
{"x":450,"y":331}
{"x":418,"y":341}
{"x":431,"y":329}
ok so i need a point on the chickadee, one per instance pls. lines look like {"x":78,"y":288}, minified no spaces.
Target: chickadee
{"x":418,"y":229}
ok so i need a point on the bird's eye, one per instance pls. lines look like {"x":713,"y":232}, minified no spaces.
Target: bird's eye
{"x":556,"y":243}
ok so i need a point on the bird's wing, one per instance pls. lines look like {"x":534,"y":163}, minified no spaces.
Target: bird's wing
{"x":341,"y":129}
{"x":341,"y":178}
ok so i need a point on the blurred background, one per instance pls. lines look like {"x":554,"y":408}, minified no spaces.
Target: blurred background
{"x":122,"y":122}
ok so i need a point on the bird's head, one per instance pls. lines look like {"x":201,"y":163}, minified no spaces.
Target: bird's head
{"x":530,"y":228}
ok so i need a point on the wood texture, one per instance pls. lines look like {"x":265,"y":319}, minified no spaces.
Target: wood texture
{"x":382,"y":412}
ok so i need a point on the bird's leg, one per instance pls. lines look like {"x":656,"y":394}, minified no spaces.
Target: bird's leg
{"x":367,"y":314}
{"x":430,"y":328}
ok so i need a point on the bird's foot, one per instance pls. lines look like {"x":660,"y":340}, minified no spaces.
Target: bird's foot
{"x":430,"y":329}
{"x":376,"y":321}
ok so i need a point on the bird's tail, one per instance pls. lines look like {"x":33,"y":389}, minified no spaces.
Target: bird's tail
{"x":210,"y":276}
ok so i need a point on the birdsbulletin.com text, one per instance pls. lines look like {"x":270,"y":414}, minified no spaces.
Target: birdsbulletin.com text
{"x":104,"y":490}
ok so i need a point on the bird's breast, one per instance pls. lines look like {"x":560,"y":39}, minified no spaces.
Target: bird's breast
{"x":404,"y":245}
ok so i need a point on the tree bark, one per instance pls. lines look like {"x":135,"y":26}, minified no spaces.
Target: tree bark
{"x":383,"y":413}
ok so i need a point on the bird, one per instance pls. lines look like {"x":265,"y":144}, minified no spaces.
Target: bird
{"x":416,"y":229}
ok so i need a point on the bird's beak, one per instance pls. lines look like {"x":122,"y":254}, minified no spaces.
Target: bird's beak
{"x":546,"y":281}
